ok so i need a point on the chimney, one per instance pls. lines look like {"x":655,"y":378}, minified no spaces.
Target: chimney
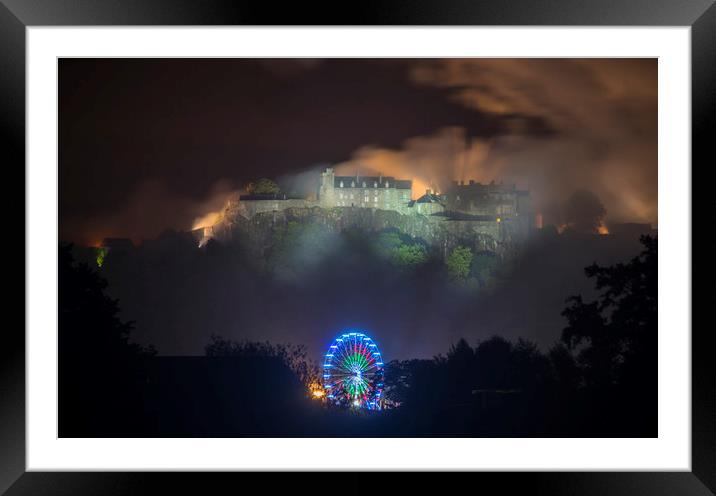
{"x":427,"y":191}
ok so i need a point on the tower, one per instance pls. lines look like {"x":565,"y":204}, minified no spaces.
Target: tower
{"x":326,"y":191}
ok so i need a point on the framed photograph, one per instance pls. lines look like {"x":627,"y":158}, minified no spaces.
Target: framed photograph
{"x":455,"y":237}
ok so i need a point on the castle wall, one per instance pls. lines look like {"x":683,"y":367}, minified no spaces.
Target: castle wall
{"x":249,"y":208}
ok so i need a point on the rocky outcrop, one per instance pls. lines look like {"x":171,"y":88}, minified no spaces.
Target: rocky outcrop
{"x":441,"y":233}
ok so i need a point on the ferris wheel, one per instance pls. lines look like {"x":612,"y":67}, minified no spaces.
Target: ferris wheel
{"x":353,"y":372}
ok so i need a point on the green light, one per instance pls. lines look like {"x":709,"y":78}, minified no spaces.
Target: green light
{"x":355,"y":383}
{"x":101,"y":255}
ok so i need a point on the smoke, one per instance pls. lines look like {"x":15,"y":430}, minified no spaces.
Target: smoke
{"x":149,"y":210}
{"x":221,"y":192}
{"x":303,"y":184}
{"x":430,"y":161}
{"x":603,"y":116}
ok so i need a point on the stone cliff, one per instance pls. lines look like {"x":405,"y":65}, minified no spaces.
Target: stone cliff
{"x":441,"y":234}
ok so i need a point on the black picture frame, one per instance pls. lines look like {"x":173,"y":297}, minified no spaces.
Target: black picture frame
{"x":17,"y":15}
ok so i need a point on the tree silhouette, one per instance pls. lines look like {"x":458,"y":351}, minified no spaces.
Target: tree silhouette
{"x":295,"y":357}
{"x":100,"y":370}
{"x":616,"y":334}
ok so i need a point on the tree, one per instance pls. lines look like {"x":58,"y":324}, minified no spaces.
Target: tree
{"x":493,"y":357}
{"x":616,"y":334}
{"x":263,"y":186}
{"x":88,"y":321}
{"x":409,"y":255}
{"x":530,"y":369}
{"x":460,"y":362}
{"x":393,"y":247}
{"x":565,"y":371}
{"x":458,"y":263}
{"x":101,"y":373}
{"x":295,"y":357}
{"x":584,"y":212}
{"x":388,"y":242}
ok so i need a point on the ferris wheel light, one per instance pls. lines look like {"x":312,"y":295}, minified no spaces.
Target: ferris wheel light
{"x":355,"y":367}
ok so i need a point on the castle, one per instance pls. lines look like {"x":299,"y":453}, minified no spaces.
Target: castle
{"x":471,"y":201}
{"x":493,"y":216}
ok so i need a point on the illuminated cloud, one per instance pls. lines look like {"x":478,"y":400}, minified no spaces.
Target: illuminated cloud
{"x":603,"y":113}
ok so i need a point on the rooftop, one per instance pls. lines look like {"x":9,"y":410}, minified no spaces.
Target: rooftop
{"x":371,"y":182}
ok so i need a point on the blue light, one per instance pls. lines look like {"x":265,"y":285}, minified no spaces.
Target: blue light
{"x":353,"y":340}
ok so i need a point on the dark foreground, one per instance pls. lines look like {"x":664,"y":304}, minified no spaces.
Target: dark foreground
{"x":240,"y":397}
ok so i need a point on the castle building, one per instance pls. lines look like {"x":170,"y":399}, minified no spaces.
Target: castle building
{"x":381,"y":192}
{"x":489,"y":211}
{"x":492,"y":200}
{"x":487,"y":203}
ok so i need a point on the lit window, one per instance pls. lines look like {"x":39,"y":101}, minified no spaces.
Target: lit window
{"x":341,"y":185}
{"x":386,"y":184}
{"x":353,"y":184}
{"x":375,"y":184}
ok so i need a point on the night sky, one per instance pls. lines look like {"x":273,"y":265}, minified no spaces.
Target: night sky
{"x":148,"y":145}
